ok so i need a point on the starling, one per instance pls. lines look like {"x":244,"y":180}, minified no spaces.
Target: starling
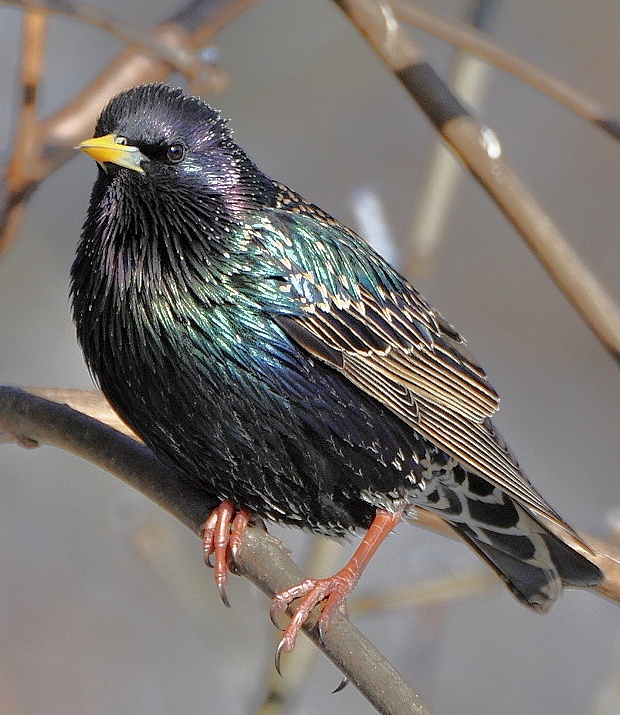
{"x":270,"y":355}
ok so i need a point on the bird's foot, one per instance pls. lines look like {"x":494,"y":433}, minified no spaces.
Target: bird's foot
{"x":221,"y":538}
{"x":334,"y":590}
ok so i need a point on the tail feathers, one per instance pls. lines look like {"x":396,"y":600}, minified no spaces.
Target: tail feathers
{"x":536,"y":581}
{"x":574,"y":569}
{"x":534,"y":563}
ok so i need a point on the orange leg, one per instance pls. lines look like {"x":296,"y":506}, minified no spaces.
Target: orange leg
{"x":221,"y":536}
{"x":335,"y":589}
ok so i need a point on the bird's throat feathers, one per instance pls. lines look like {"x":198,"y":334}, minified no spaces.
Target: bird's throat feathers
{"x":140,"y":235}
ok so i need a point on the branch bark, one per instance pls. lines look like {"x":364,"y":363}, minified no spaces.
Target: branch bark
{"x":82,"y":422}
{"x":481,"y":45}
{"x":186,"y":30}
{"x":31,"y":420}
{"x":480,"y":149}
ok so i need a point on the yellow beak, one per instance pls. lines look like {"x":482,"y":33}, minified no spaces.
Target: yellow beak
{"x":108,"y":149}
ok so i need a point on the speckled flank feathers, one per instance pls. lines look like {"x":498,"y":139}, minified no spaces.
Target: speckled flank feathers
{"x":271,"y":355}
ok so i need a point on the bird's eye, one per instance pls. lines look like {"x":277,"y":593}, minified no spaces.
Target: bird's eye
{"x":176,"y":153}
{"x":120,"y":140}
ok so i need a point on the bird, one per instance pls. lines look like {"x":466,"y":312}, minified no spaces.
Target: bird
{"x":280,"y":364}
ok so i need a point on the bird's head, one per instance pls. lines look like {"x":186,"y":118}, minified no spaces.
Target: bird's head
{"x":166,"y":151}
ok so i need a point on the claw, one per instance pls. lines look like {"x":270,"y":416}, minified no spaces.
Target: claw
{"x":221,"y":588}
{"x":333,"y":590}
{"x":343,"y":684}
{"x":336,"y":602}
{"x":273,"y":615}
{"x":322,"y":626}
{"x":233,"y":547}
{"x":278,"y":655}
{"x":221,"y":539}
{"x":241,"y":520}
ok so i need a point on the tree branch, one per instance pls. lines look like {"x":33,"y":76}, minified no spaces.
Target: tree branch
{"x":182,"y":33}
{"x":481,"y":151}
{"x":92,"y":403}
{"x":480,"y":44}
{"x":31,"y":420}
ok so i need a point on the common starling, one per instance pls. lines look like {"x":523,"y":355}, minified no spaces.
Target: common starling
{"x":269,"y":354}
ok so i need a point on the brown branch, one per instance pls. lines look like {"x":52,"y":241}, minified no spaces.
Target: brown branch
{"x":479,"y":43}
{"x":470,"y":77}
{"x":480,"y":149}
{"x":180,"y":58}
{"x":81,"y":422}
{"x":185,"y":31}
{"x":32,"y":62}
{"x":31,"y":420}
{"x":24,"y":160}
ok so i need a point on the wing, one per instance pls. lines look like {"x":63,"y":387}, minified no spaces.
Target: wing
{"x":355,"y":313}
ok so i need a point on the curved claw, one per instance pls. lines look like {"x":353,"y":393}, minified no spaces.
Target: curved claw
{"x":278,"y":655}
{"x":334,"y":590}
{"x":343,"y":684}
{"x":322,"y":626}
{"x":273,"y":614}
{"x":311,"y":592}
{"x":334,"y":603}
{"x":222,"y":534}
{"x":221,"y":588}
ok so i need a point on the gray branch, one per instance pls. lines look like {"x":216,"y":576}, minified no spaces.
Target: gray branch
{"x":31,"y":421}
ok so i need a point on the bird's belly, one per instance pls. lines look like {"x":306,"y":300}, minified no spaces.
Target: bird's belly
{"x":310,"y":449}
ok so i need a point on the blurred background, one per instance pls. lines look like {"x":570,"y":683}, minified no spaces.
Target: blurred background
{"x":105,"y":606}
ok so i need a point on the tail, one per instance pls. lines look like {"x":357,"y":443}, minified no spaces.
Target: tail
{"x":534,"y":563}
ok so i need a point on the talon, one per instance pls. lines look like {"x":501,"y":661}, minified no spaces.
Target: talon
{"x":208,"y":563}
{"x":310,"y":592}
{"x":333,"y":590}
{"x":322,"y":626}
{"x":221,"y":587}
{"x":233,"y":547}
{"x":222,"y":533}
{"x":241,"y":520}
{"x":207,"y":547}
{"x":273,"y":615}
{"x":278,"y":606}
{"x":336,"y":602}
{"x":343,"y":684}
{"x":278,"y":655}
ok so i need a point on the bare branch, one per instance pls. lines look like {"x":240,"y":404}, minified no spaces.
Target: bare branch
{"x":91,"y":405}
{"x":180,"y":58}
{"x":33,"y":61}
{"x":479,"y":43}
{"x":480,"y":149}
{"x":31,"y":420}
{"x":185,"y":31}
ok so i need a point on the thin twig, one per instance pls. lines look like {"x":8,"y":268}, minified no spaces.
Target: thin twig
{"x":32,"y":63}
{"x":190,"y":27}
{"x":480,"y":149}
{"x":24,"y":160}
{"x":447,"y":589}
{"x":180,"y":58}
{"x":479,"y":44}
{"x":442,"y":174}
{"x":32,"y":421}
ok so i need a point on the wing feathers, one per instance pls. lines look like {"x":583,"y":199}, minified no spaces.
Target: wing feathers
{"x":429,"y":369}
{"x":372,"y":326}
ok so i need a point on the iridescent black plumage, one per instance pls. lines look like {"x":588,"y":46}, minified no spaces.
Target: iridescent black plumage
{"x":269,"y":353}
